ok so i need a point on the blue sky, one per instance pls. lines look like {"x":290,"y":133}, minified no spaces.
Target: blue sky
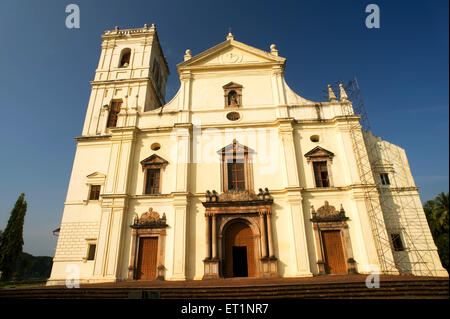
{"x":45,"y":69}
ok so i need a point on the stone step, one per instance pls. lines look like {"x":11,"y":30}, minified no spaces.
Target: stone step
{"x":399,"y":289}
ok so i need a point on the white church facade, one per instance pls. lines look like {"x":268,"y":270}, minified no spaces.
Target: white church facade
{"x":236,"y":176}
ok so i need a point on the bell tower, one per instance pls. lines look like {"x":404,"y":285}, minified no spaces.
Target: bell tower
{"x":130,"y":80}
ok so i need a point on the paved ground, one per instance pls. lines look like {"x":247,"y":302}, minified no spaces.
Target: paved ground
{"x":239,"y":282}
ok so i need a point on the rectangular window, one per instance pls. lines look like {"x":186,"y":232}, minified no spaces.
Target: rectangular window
{"x":397,"y":242}
{"x":113,"y":113}
{"x":94,"y":193}
{"x":91,"y":252}
{"x":385,"y":179}
{"x":236,"y":175}
{"x":152,"y":181}
{"x":321,"y":174}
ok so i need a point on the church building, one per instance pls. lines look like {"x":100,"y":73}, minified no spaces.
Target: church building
{"x":236,"y":176}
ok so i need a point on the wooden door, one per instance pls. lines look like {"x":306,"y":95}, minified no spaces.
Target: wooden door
{"x":148,"y":250}
{"x":239,"y":236}
{"x":334,"y":253}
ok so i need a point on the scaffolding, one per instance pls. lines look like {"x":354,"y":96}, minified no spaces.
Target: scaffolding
{"x":392,"y":209}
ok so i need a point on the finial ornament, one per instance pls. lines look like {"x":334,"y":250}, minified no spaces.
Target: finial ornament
{"x":230,"y":36}
{"x":344,"y":96}
{"x":331,"y":95}
{"x":188,"y":55}
{"x":273,"y":49}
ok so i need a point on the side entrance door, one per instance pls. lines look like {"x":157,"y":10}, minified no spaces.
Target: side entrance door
{"x":334,"y":253}
{"x":148,"y":249}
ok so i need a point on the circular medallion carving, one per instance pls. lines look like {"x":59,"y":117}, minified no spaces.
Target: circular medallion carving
{"x":233,"y":116}
{"x":231,"y":57}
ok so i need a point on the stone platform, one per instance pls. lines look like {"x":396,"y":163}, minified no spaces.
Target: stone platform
{"x":337,"y":286}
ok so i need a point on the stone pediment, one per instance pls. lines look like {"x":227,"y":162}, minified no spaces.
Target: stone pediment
{"x":96,"y":175}
{"x":96,"y":178}
{"x":230,"y":53}
{"x":155,"y":161}
{"x":232,"y":85}
{"x":235,"y":148}
{"x":319,"y":152}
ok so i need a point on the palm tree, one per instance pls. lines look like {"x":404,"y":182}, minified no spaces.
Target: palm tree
{"x":440,"y":211}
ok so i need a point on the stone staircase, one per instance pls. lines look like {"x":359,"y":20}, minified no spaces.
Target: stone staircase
{"x":433,"y":288}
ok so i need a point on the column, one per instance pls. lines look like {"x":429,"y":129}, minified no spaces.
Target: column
{"x":132,"y":262}
{"x":214,"y":237}
{"x":263,"y":235}
{"x":208,"y":239}
{"x":269,"y":234}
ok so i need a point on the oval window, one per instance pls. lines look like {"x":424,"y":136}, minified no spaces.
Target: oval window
{"x":155,"y":146}
{"x":314,"y":138}
{"x":233,"y":116}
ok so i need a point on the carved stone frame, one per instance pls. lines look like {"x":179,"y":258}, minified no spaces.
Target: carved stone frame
{"x":152,"y":162}
{"x":242,"y":154}
{"x":319,"y":154}
{"x":227,"y":88}
{"x":254,"y":213}
{"x":143,"y":233}
{"x":333,"y":221}
{"x":151,"y":227}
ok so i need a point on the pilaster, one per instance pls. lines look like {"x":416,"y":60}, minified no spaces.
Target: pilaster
{"x":279,"y":93}
{"x":180,"y":204}
{"x":299,"y":248}
{"x":288,"y":148}
{"x":185,"y":97}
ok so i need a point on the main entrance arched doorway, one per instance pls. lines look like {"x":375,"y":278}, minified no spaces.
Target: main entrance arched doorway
{"x":238,"y":250}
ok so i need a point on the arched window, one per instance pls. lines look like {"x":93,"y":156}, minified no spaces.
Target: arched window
{"x":125,"y":58}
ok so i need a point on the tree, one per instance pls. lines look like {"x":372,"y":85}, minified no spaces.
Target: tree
{"x":437,"y":215}
{"x":440,"y":211}
{"x":12,"y":241}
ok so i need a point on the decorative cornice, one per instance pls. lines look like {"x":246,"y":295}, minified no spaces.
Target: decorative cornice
{"x":117,"y":33}
{"x":94,"y":137}
{"x":120,"y":81}
{"x":150,"y":219}
{"x":327,"y":213}
{"x":238,"y":198}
